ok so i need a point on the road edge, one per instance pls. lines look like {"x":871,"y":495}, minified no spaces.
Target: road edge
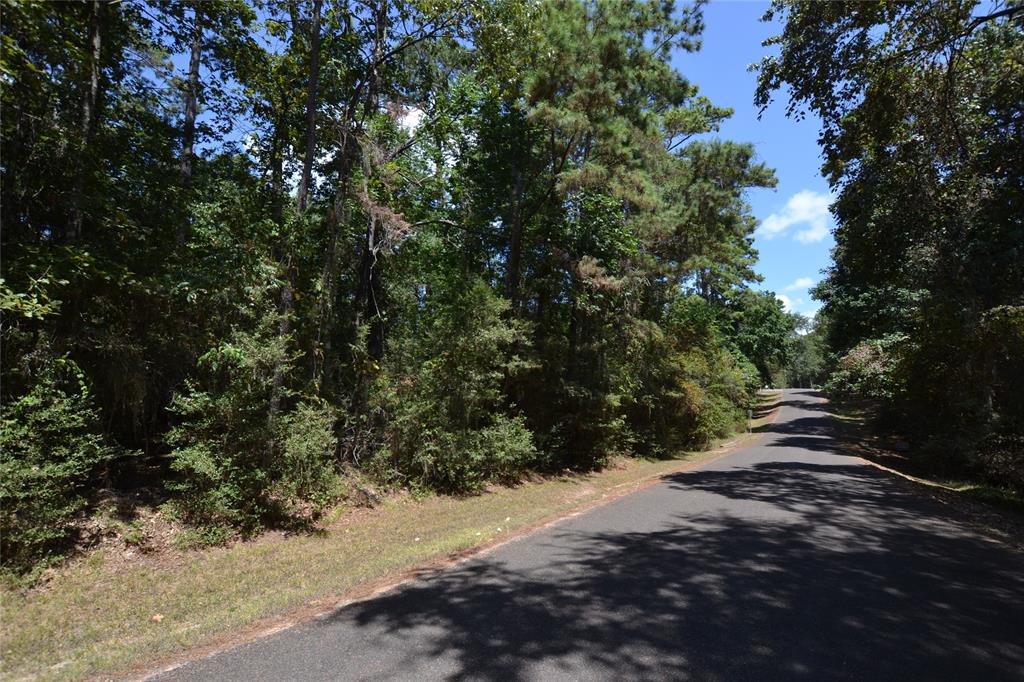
{"x":327,"y":606}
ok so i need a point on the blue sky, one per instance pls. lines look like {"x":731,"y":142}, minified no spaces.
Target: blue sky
{"x":794,"y":238}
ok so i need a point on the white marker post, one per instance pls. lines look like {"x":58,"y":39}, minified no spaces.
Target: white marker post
{"x":750,"y":420}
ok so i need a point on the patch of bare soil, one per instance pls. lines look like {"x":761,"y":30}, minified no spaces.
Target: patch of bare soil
{"x":579,"y":493}
{"x":128,"y":530}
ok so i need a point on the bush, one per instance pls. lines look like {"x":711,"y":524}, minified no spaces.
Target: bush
{"x":464,"y":460}
{"x":241,"y":466}
{"x":308,"y":445}
{"x":446,"y":425}
{"x":870,"y":370}
{"x":51,"y":449}
{"x":685,"y":389}
{"x":724,"y":384}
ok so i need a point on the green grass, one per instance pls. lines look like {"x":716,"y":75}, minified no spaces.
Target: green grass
{"x":96,"y":615}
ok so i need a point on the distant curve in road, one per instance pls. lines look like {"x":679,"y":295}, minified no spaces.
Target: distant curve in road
{"x":785,"y":560}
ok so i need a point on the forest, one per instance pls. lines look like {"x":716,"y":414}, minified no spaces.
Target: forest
{"x":262,"y":256}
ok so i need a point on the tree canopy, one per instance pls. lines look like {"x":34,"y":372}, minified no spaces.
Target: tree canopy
{"x":922,"y":117}
{"x":256,"y":252}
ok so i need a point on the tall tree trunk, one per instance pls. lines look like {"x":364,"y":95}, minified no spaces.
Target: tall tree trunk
{"x":191,"y":99}
{"x":311,"y":102}
{"x":92,"y":92}
{"x":515,"y":245}
{"x":287,"y":300}
{"x":369,"y":300}
{"x":284,"y":256}
{"x":277,"y":168}
{"x":369,"y":295}
{"x":337,"y":218}
{"x":89,"y":102}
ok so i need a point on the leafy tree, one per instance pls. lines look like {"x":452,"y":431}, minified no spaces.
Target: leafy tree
{"x":304,"y":237}
{"x":52,"y":450}
{"x":920,"y":108}
{"x":762,"y":331}
{"x":808,"y":365}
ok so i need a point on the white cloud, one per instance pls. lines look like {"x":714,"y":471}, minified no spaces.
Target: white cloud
{"x":806,"y":208}
{"x":411,"y":119}
{"x":815,"y":233}
{"x":799,"y":305}
{"x":801,"y":283}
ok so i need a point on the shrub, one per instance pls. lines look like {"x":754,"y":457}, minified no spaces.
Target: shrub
{"x":685,"y":390}
{"x":464,"y":460}
{"x":870,"y":370}
{"x":239,"y":465}
{"x":51,"y":449}
{"x":308,"y":445}
{"x":723,"y":385}
{"x":446,"y":424}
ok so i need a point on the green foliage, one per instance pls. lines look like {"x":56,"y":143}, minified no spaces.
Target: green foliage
{"x":920,"y":106}
{"x":547,"y":269}
{"x":239,"y":465}
{"x":52,"y":450}
{"x":448,"y":427}
{"x":808,"y":366}
{"x":763,"y":331}
{"x":34,"y":303}
{"x":688,"y":390}
{"x":209,"y":535}
{"x":870,"y":369}
{"x":308,"y":448}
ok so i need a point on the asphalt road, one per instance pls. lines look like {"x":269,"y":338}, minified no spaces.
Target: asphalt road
{"x":785,"y":560}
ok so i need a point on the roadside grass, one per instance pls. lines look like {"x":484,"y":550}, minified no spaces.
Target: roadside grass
{"x":989,"y":494}
{"x":101,"y":614}
{"x":854,"y":427}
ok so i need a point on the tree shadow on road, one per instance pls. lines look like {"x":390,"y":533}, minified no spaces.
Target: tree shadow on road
{"x":827,"y":571}
{"x":805,"y":399}
{"x":815,"y":432}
